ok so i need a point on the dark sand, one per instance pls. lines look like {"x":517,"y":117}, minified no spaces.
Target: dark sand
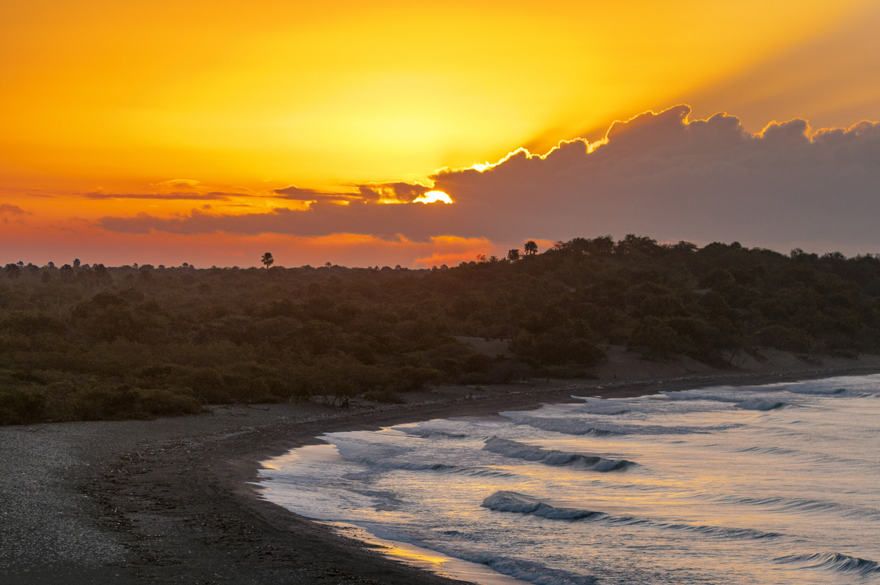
{"x":173,"y":500}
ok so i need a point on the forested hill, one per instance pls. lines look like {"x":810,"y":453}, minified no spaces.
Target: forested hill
{"x":89,"y":342}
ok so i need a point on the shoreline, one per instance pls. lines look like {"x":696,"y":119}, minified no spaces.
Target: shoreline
{"x":178,"y":500}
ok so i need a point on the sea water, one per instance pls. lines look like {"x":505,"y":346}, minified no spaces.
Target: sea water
{"x":761,"y":484}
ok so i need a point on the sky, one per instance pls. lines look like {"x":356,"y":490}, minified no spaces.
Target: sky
{"x":425,"y":133}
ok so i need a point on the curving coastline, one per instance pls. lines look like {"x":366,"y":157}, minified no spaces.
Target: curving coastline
{"x":174,"y":500}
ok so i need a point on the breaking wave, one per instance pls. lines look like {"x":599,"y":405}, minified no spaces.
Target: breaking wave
{"x":580,"y":426}
{"x":381,"y":458}
{"x":744,"y":399}
{"x":719,"y":484}
{"x":835,"y":562}
{"x":761,"y":404}
{"x":506,"y":501}
{"x":800,"y":505}
{"x":816,"y":390}
{"x":553,"y":457}
{"x":429,"y":433}
{"x":524,"y":570}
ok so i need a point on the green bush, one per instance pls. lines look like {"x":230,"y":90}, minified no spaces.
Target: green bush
{"x":167,"y":402}
{"x":384,"y":396}
{"x":104,"y":403}
{"x":21,"y":406}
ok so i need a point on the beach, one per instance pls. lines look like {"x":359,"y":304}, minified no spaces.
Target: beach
{"x":174,"y":500}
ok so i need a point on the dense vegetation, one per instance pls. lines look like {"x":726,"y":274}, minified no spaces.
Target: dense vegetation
{"x":89,"y":342}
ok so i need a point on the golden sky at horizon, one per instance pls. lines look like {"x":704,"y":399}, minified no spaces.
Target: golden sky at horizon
{"x":103,"y":96}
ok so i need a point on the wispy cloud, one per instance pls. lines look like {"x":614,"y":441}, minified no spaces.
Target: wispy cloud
{"x":298,"y":194}
{"x":9,"y":212}
{"x":9,"y":209}
{"x":174,"y":196}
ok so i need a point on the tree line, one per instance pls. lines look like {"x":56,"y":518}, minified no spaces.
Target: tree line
{"x":91,"y":342}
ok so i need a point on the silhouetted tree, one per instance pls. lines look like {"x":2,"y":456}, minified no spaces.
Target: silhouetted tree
{"x":12,"y":270}
{"x":531,"y":248}
{"x":267,"y":260}
{"x":513,"y":255}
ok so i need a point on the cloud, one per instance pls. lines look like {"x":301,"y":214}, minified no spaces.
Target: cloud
{"x":9,"y":213}
{"x":389,"y":222}
{"x":8,"y":209}
{"x":660,"y":174}
{"x":173,"y":196}
{"x":297,"y":194}
{"x":179,"y":184}
{"x":399,"y":192}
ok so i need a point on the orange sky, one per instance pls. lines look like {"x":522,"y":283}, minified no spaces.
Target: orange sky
{"x":114,"y":109}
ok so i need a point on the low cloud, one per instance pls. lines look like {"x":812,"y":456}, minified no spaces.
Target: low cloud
{"x":11,"y":213}
{"x":399,"y":192}
{"x":660,"y":174}
{"x":389,"y":222}
{"x":174,"y":196}
{"x":8,"y":209}
{"x":295,"y":193}
{"x":179,"y":184}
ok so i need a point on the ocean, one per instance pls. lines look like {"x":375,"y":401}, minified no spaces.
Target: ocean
{"x":761,"y":484}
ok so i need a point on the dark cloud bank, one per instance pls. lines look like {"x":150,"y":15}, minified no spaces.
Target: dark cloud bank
{"x":656,"y":174}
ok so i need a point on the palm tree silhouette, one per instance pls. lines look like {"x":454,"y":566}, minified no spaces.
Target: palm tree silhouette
{"x":267,"y":260}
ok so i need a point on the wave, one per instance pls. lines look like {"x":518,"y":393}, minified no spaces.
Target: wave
{"x":816,"y":390}
{"x":580,"y":426}
{"x":513,"y":502}
{"x":770,"y":450}
{"x":607,"y":407}
{"x":835,"y":562}
{"x":518,"y":568}
{"x":505,"y":501}
{"x":553,"y":457}
{"x":427,"y":433}
{"x":384,"y":457}
{"x":647,"y":406}
{"x":530,"y":571}
{"x":761,"y":404}
{"x":383,"y":466}
{"x":418,"y":466}
{"x":839,"y":461}
{"x":739,"y":398}
{"x":801,"y":505}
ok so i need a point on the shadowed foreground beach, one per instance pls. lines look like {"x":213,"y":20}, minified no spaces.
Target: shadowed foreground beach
{"x":173,"y":500}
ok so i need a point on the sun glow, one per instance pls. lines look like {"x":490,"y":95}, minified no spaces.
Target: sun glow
{"x":190,"y":114}
{"x":434,"y":197}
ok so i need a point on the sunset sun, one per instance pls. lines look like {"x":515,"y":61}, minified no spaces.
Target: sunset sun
{"x":434,"y":196}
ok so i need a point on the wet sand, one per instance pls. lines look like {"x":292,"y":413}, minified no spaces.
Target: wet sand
{"x":174,"y":500}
